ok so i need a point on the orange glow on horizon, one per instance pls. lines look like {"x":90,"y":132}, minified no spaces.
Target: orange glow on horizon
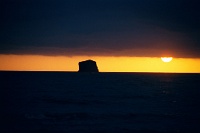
{"x":105,"y":64}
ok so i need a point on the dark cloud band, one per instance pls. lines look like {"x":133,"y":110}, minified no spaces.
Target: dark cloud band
{"x":101,"y":27}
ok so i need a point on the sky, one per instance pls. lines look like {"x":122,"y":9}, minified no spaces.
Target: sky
{"x":104,"y":28}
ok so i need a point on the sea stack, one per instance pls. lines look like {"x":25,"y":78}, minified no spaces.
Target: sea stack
{"x":88,"y":66}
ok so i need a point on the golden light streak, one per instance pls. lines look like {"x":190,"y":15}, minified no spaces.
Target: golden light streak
{"x":105,"y":64}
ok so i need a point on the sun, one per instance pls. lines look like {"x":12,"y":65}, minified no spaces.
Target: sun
{"x":166,"y":59}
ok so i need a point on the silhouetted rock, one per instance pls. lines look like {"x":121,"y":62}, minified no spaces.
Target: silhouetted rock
{"x":88,"y":66}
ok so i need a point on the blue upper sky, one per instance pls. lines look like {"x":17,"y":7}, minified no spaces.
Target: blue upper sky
{"x":100,"y":27}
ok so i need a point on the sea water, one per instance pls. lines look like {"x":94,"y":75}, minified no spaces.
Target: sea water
{"x":70,"y":102}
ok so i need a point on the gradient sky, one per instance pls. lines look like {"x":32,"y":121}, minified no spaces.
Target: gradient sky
{"x":121,"y":35}
{"x":141,"y":28}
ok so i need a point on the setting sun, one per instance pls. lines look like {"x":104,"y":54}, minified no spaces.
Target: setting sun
{"x":166,"y":59}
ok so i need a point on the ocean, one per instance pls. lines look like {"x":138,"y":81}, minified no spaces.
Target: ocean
{"x":71,"y":102}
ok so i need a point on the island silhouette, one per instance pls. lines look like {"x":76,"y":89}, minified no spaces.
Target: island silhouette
{"x":88,"y":66}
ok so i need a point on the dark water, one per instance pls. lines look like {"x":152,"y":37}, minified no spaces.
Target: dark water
{"x":64,"y":102}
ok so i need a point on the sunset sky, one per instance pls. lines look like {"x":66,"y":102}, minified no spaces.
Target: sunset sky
{"x":120,"y":35}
